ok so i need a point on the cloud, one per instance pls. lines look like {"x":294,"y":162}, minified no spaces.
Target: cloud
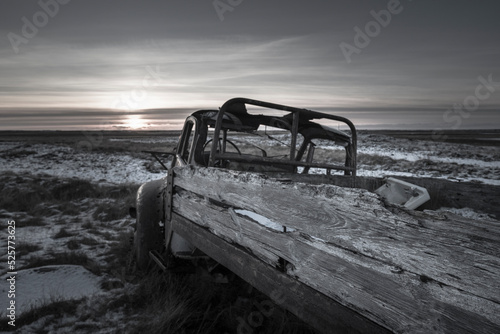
{"x":64,"y":118}
{"x":94,"y":53}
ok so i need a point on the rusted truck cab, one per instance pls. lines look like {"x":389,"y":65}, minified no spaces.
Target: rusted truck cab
{"x":272,"y":137}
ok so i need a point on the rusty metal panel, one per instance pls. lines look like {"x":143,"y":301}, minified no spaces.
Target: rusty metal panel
{"x":168,"y":196}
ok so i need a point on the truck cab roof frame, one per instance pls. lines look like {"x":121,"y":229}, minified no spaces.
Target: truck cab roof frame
{"x":298,"y":116}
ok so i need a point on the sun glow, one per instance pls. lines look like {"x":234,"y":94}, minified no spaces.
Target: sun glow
{"x":135,"y":122}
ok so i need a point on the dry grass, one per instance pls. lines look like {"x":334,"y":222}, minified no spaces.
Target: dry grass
{"x":33,"y":195}
{"x":73,"y":244}
{"x":87,"y":225}
{"x":180,"y":304}
{"x":50,"y":310}
{"x":63,"y":233}
{"x":111,"y":210}
{"x":159,"y":304}
{"x":31,"y":221}
{"x":10,"y":154}
{"x":375,"y":160}
{"x":15,"y":199}
{"x":87,"y":241}
{"x":24,"y":248}
{"x":120,"y":255}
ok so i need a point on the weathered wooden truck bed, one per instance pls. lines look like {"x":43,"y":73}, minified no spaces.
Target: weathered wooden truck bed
{"x":346,"y":261}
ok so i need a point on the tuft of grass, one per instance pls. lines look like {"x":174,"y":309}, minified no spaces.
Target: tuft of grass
{"x":110,"y":211}
{"x":55,"y":308}
{"x":63,"y":233}
{"x":86,"y":327}
{"x":158,"y":303}
{"x":41,"y":196}
{"x":17,"y":153}
{"x":31,"y":221}
{"x":105,"y":234}
{"x":21,"y":200}
{"x":375,"y":160}
{"x":24,"y":248}
{"x":120,"y":255}
{"x":73,"y":189}
{"x":69,"y":208}
{"x":88,"y":241}
{"x":87,"y":225}
{"x":73,"y":244}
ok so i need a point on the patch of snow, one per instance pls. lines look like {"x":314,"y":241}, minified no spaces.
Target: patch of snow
{"x":169,"y":139}
{"x":384,"y":173}
{"x":425,"y":155}
{"x":37,"y":286}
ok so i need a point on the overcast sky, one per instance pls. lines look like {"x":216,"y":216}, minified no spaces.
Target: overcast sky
{"x":74,"y":60}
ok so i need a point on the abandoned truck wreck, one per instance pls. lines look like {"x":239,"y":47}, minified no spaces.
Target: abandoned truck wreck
{"x":257,"y":187}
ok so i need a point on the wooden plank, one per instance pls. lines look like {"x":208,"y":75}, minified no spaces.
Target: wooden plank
{"x":356,"y":220}
{"x":444,"y":193}
{"x":321,"y":312}
{"x":401,"y":300}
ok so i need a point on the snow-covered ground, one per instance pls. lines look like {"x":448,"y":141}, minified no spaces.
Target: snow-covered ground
{"x":377,"y":156}
{"x":35,"y":286}
{"x":453,"y":161}
{"x":77,"y":227}
{"x":65,"y":161}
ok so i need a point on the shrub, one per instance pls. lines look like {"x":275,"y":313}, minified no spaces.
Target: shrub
{"x":110,"y":211}
{"x":73,"y":189}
